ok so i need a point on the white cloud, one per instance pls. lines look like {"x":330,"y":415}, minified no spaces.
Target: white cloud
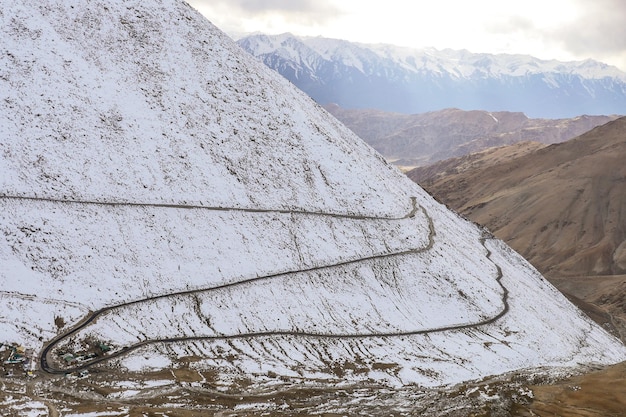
{"x":555,"y":29}
{"x":272,"y":16}
{"x":600,"y":30}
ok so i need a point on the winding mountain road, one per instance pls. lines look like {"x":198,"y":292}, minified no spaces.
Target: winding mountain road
{"x":90,"y":318}
{"x":353,"y":216}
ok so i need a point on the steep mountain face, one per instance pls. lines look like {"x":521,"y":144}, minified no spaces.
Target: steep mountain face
{"x":422,"y":139}
{"x":166,"y":196}
{"x":561,"y":206}
{"x":394,"y":79}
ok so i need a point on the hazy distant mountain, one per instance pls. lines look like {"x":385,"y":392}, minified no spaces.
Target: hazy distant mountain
{"x":394,"y":79}
{"x":561,"y":206}
{"x":421,"y":139}
{"x":167,"y":200}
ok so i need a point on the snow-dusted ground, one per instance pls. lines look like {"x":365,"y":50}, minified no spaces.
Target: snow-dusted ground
{"x":147,"y":106}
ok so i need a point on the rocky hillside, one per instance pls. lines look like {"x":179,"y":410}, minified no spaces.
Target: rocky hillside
{"x":423,"y":139}
{"x":431,"y":174}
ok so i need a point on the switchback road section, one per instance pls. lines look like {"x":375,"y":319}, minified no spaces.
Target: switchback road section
{"x":45,"y":362}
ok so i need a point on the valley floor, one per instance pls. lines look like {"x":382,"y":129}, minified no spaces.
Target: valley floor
{"x":184,"y":392}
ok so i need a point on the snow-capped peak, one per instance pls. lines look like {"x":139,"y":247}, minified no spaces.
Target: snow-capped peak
{"x":407,"y":80}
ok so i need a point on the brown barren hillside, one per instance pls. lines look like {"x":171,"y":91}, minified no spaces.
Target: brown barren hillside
{"x":422,"y":139}
{"x":562,"y":206}
{"x":473,"y":161}
{"x":597,"y":394}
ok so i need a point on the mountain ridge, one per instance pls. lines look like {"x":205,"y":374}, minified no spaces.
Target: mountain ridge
{"x":407,"y":80}
{"x":422,"y":139}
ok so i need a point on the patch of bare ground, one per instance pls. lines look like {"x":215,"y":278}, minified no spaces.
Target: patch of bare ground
{"x":177,"y":393}
{"x":596,"y":394}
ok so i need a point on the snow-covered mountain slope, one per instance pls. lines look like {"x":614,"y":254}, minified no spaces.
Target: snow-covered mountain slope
{"x":396,"y":79}
{"x":165,"y":193}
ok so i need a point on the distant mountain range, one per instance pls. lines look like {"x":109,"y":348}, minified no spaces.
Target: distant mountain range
{"x":422,"y":139}
{"x":395,"y":79}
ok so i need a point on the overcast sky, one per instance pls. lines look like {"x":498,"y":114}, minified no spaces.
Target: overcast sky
{"x":547,"y":29}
